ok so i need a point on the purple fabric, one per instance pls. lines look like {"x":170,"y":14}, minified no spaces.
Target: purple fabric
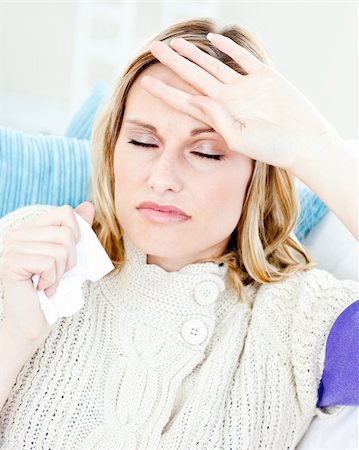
{"x":340,"y":381}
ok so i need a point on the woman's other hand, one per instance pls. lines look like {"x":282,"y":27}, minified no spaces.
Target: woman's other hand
{"x":44,"y":246}
{"x":260,"y":115}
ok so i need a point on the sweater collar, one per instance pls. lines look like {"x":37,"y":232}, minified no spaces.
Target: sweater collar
{"x":138,"y":260}
{"x":172,"y":300}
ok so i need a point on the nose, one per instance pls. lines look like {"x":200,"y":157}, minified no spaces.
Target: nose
{"x":164,"y":173}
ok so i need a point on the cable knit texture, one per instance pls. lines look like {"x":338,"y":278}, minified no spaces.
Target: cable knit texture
{"x":174,"y":360}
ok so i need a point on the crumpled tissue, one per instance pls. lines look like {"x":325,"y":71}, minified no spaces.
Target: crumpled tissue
{"x":93,"y":263}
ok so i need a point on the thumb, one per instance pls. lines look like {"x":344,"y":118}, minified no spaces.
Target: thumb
{"x":86,"y":211}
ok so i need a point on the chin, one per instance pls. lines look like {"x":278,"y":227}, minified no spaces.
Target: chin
{"x":162,"y":243}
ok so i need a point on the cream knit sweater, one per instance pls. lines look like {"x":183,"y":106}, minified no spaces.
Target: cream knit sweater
{"x":173,"y":360}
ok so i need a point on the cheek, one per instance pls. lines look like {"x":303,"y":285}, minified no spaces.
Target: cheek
{"x":124,"y":170}
{"x":123,"y":182}
{"x":222,"y":196}
{"x":226,"y":204}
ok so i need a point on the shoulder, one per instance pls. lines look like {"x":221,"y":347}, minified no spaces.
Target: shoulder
{"x":313,"y":300}
{"x":303,"y":307}
{"x":21,"y":215}
{"x":312,"y":292}
{"x":297,"y":314}
{"x":333,"y":310}
{"x":323,"y":296}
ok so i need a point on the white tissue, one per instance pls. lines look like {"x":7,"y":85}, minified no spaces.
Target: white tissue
{"x":93,"y":263}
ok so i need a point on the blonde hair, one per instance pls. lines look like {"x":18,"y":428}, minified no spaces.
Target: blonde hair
{"x":260,"y":248}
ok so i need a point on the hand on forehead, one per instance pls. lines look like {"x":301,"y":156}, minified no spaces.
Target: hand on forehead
{"x":168,"y":76}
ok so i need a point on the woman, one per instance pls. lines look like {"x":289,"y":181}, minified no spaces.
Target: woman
{"x":210,"y":332}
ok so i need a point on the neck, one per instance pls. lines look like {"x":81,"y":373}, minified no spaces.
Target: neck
{"x":168,"y":264}
{"x":175,"y":264}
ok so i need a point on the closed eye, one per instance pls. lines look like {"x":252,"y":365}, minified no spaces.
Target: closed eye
{"x":201,"y":155}
{"x":205,"y":155}
{"x":141,"y":144}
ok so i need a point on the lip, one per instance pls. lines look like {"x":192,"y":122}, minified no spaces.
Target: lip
{"x":161,"y":213}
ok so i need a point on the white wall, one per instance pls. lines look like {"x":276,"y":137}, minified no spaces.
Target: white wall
{"x":51,"y":53}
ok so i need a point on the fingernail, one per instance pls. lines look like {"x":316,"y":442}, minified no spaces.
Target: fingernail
{"x":210,"y":36}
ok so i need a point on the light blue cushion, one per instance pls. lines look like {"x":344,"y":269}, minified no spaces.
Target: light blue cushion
{"x":312,"y":210}
{"x":42,"y":169}
{"x":82,"y":123}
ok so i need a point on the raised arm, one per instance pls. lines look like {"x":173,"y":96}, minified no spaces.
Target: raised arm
{"x":331,"y":172}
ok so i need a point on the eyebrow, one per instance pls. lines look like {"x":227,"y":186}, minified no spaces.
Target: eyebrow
{"x":194,"y":132}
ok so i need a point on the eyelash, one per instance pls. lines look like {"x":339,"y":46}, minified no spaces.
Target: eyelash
{"x":201,"y":155}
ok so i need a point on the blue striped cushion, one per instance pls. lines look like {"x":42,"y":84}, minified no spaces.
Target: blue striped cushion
{"x":42,"y":169}
{"x":312,"y":209}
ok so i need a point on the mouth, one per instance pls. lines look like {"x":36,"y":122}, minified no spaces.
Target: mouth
{"x":161,"y":213}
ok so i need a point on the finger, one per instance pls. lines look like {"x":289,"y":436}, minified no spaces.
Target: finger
{"x":63,"y":252}
{"x":238,"y":53}
{"x":187,"y":70}
{"x":51,"y":233}
{"x":59,"y":267}
{"x":49,"y":275}
{"x":212,"y":65}
{"x":174,"y":97}
{"x":87,"y":211}
{"x":19,"y":255}
{"x":44,"y":265}
{"x":204,"y":108}
{"x":64,"y":215}
{"x":42,"y":240}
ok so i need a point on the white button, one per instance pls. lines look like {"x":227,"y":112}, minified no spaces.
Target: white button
{"x":194,"y":331}
{"x":206,"y":292}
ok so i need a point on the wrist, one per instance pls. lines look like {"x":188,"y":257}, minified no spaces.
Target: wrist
{"x":18,"y":344}
{"x":331,"y":172}
{"x":320,"y":155}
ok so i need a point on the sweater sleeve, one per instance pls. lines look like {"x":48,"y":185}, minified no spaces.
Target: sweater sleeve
{"x":321,"y":299}
{"x":13,"y":220}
